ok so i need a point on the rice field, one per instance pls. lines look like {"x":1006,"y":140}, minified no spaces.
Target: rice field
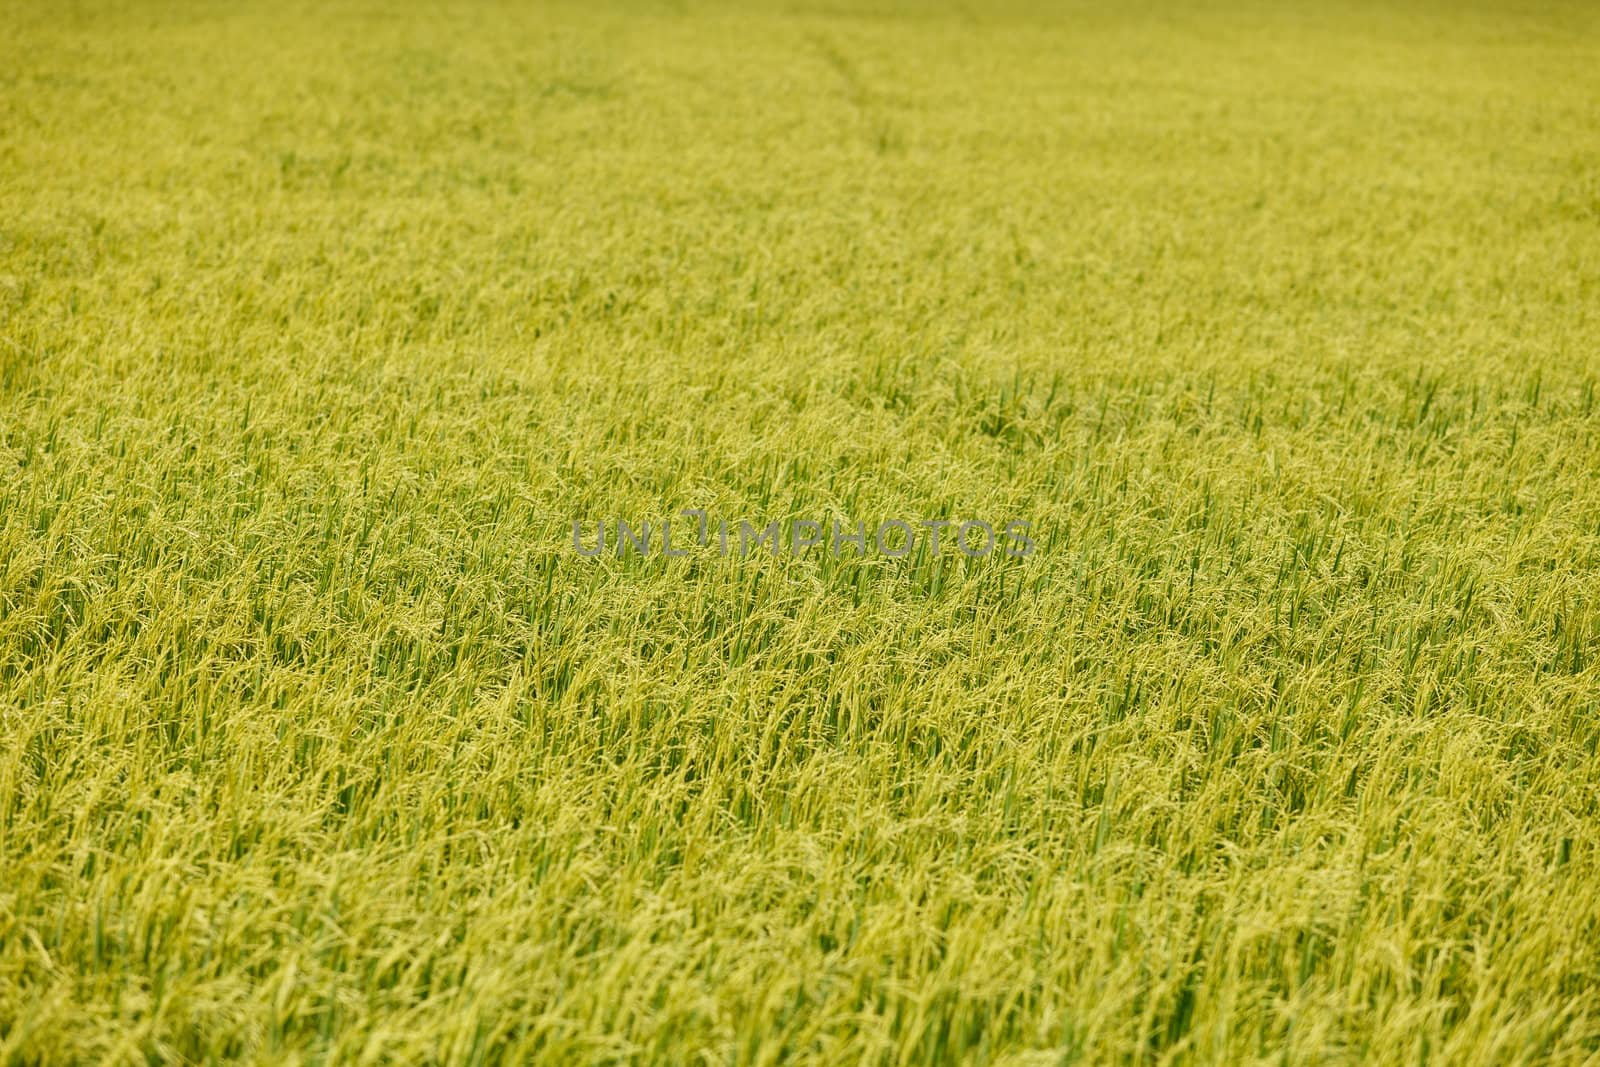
{"x":335,"y":337}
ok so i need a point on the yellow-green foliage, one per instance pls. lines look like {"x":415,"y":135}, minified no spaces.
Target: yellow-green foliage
{"x":321,"y":323}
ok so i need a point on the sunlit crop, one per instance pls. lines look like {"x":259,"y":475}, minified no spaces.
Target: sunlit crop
{"x":321,"y":325}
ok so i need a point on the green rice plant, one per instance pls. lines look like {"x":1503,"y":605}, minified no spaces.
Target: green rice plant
{"x":1277,"y":324}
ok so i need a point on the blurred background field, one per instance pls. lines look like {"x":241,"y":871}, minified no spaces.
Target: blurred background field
{"x":320,"y":324}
